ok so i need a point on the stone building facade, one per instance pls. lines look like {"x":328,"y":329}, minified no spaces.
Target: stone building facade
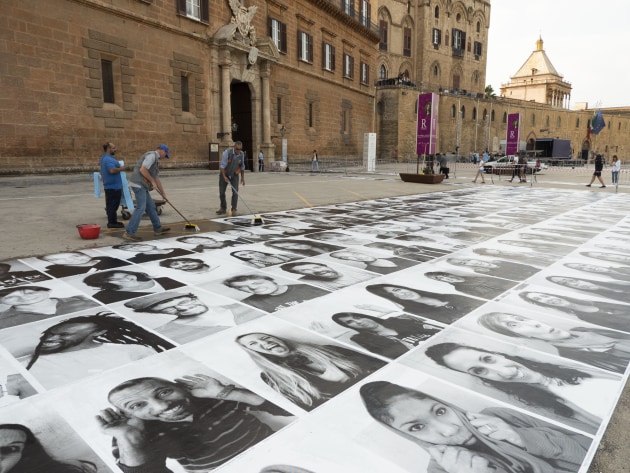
{"x":469,"y":120}
{"x":77,"y":73}
{"x":538,"y":81}
{"x":429,"y":46}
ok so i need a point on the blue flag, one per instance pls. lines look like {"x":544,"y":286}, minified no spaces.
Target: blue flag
{"x":598,"y":123}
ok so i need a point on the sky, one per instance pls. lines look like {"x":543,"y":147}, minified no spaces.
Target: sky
{"x":587,"y":42}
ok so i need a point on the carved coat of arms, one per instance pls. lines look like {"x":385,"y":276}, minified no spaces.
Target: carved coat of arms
{"x":242,"y":18}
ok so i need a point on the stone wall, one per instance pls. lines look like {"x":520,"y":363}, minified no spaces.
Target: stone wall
{"x":53,"y":116}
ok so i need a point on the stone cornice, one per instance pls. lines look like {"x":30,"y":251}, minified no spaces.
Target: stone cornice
{"x":337,"y":13}
{"x":278,"y":4}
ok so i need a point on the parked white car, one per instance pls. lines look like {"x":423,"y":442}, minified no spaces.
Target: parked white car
{"x":507,"y":162}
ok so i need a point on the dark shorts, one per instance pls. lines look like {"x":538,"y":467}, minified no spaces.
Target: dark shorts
{"x":597,"y":173}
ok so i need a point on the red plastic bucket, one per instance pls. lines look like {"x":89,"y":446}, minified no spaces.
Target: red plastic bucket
{"x":89,"y":231}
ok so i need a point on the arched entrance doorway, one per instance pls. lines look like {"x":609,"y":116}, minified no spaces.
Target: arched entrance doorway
{"x":241,"y":105}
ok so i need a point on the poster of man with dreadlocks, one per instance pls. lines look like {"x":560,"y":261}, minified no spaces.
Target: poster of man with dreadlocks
{"x":84,"y":345}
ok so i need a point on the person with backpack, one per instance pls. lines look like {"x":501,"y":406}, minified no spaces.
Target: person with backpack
{"x":232,"y":165}
{"x":599,"y":166}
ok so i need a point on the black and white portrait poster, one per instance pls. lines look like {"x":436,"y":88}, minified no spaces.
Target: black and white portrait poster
{"x":39,"y":439}
{"x":186,"y":314}
{"x":65,"y":349}
{"x":539,"y":330}
{"x":575,"y":394}
{"x":364,"y":322}
{"x":423,"y":424}
{"x":271,"y":356}
{"x":170,"y":401}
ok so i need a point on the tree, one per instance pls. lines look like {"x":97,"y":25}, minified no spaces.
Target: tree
{"x":489,"y":92}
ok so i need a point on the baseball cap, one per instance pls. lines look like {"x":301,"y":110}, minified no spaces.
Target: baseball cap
{"x":148,"y":302}
{"x":165,"y":149}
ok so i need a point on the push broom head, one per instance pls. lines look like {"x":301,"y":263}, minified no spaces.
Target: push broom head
{"x":257,"y":220}
{"x":191,"y":227}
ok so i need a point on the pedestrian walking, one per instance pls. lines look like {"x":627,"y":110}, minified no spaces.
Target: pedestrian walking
{"x":516,"y":170}
{"x":616,"y":167}
{"x":146,"y":177}
{"x":261,"y":161}
{"x":443,"y":161}
{"x":599,"y":166}
{"x":232,"y":165}
{"x":480,"y":170}
{"x":315,"y":162}
{"x":112,"y":183}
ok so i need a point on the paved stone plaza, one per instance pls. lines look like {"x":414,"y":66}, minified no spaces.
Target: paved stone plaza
{"x":368,"y":325}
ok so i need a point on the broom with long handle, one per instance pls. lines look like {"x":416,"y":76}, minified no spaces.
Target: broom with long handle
{"x":257,"y":219}
{"x":189,"y":226}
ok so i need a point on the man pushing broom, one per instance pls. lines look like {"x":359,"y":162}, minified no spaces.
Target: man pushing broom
{"x":232,"y":164}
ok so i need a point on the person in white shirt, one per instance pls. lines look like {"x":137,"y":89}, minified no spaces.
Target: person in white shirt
{"x":616,"y":167}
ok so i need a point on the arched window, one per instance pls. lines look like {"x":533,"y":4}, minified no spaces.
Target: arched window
{"x":504,"y":117}
{"x":533,"y":119}
{"x":453,"y":111}
{"x":437,"y":12}
{"x":478,"y":27}
{"x":547,"y":121}
{"x":558,"y":122}
{"x":382,"y":73}
{"x":463,"y":112}
{"x":492,"y":116}
{"x":474,"y":113}
{"x":436,"y":71}
{"x":577,"y":122}
{"x":485,"y":114}
{"x":476,"y":77}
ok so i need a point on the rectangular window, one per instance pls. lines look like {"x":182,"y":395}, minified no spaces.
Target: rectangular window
{"x":305,"y":46}
{"x":437,"y":37}
{"x":382,"y":28}
{"x":459,"y":41}
{"x":279,"y":110}
{"x":107,"y":76}
{"x":185,"y":94}
{"x":365,"y":13}
{"x":194,"y":9}
{"x":328,"y":57}
{"x":348,"y":66}
{"x":348,"y":7}
{"x":407,"y":42}
{"x":477,"y":49}
{"x":278,"y":33}
{"x":365,"y":73}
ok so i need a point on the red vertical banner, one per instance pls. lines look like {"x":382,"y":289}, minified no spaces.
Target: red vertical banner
{"x":426,"y":131}
{"x":512,"y":139}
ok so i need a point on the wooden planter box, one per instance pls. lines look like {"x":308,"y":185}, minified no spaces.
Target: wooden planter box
{"x":422,"y":178}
